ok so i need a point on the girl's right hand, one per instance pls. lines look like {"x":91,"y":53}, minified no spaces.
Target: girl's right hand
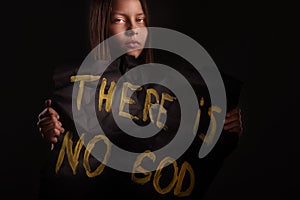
{"x":49,"y":125}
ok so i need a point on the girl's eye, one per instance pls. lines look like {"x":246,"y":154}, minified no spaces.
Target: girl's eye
{"x":119,"y":20}
{"x":140,"y":20}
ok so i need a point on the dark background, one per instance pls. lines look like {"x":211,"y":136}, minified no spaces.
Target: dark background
{"x":254,"y":42}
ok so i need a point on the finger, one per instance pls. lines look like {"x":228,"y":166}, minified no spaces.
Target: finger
{"x":56,"y":132}
{"x":231,"y":125}
{"x":48,"y":121}
{"x":48,"y":112}
{"x":237,"y":130}
{"x":48,"y":105}
{"x":233,"y":112}
{"x":48,"y":102}
{"x":51,"y":135}
{"x":43,"y":113}
{"x":232,"y":118}
{"x":53,"y":140}
{"x":51,"y":128}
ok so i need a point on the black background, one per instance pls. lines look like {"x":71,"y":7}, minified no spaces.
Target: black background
{"x":257,"y":43}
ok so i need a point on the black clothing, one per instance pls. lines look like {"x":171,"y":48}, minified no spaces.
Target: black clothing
{"x":69,"y":179}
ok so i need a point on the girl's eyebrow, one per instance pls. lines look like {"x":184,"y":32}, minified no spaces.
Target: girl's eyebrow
{"x":121,"y":13}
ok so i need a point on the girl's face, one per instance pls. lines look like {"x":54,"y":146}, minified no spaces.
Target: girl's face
{"x":128,"y":18}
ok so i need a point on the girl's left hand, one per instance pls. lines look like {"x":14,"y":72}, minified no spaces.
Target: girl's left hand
{"x":233,"y":121}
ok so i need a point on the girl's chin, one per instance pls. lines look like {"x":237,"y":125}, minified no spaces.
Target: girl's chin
{"x":134,"y":53}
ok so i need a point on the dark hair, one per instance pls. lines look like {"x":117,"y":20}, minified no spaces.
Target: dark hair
{"x":100,"y":12}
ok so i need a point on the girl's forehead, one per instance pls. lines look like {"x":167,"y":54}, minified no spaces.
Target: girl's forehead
{"x":126,"y":6}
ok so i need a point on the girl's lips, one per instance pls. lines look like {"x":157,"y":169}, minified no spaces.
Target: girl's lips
{"x":132,"y":44}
